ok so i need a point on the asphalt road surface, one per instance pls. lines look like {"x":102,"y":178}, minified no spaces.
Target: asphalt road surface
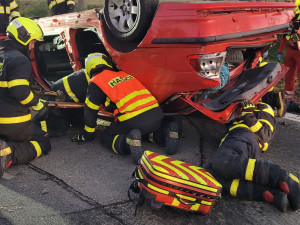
{"x":87,"y":184}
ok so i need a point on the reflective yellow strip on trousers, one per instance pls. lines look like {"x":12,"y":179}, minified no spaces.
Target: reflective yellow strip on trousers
{"x":256,"y":127}
{"x":238,"y":125}
{"x":68,"y":90}
{"x":13,"y":120}
{"x":113,"y":144}
{"x":234,"y":187}
{"x":37,"y":148}
{"x":89,"y":129}
{"x":133,"y":114}
{"x":250,"y":169}
{"x":44,"y":126}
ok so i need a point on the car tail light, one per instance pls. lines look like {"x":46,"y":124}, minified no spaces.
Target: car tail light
{"x":208,"y":66}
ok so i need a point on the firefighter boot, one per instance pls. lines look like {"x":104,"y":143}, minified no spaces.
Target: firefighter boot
{"x":277,"y":198}
{"x":291,"y":186}
{"x":133,"y":141}
{"x":172,"y":138}
{"x":5,"y":156}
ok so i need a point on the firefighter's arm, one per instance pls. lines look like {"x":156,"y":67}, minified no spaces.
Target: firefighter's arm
{"x":18,"y":80}
{"x":14,"y":10}
{"x":94,"y":98}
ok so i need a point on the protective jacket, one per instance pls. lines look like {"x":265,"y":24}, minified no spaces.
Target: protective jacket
{"x":119,"y":91}
{"x":15,"y":77}
{"x":74,"y":86}
{"x":61,"y":6}
{"x":8,"y":11}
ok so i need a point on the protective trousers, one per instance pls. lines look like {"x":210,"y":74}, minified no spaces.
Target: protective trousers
{"x":238,"y":158}
{"x":114,"y":136}
{"x":27,"y":141}
{"x":292,"y":61}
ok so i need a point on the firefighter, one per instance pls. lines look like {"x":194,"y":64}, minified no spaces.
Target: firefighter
{"x":292,"y":57}
{"x":8,"y":12}
{"x":73,"y":88}
{"x":135,"y":110}
{"x":237,"y":164}
{"x":58,"y":7}
{"x":21,"y":139}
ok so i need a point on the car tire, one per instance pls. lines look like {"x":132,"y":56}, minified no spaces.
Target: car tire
{"x":234,"y":57}
{"x":126,"y":25}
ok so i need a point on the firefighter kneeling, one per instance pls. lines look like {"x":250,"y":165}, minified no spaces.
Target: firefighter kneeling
{"x":21,"y":139}
{"x":238,"y":167}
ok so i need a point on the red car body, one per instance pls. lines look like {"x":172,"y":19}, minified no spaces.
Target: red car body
{"x":164,"y":61}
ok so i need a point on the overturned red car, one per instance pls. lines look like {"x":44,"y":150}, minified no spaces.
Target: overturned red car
{"x":179,"y":51}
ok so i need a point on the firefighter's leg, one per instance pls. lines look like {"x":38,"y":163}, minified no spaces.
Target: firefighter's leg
{"x":30,"y":142}
{"x":6,"y":155}
{"x":250,"y":191}
{"x":289,"y":79}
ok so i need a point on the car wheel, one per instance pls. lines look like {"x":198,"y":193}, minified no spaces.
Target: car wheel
{"x":234,"y":57}
{"x":129,"y":20}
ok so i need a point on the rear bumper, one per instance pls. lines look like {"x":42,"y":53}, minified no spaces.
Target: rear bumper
{"x":232,"y":110}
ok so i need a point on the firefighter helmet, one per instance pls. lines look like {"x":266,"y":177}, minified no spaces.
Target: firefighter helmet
{"x":96,"y":61}
{"x":24,"y":30}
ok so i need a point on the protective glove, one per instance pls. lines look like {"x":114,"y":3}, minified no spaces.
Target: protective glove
{"x":279,"y":56}
{"x":247,"y":107}
{"x":82,"y":138}
{"x":41,"y":105}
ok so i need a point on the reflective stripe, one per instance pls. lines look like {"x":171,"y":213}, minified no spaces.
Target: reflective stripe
{"x":15,"y":14}
{"x":68,"y":90}
{"x":7,"y":10}
{"x":270,"y":111}
{"x":223,"y":139}
{"x":206,"y":202}
{"x":13,"y":5}
{"x":28,"y":99}
{"x":210,"y":178}
{"x":89,"y":129}
{"x":157,"y":189}
{"x":239,"y":125}
{"x":37,"y":148}
{"x":91,"y":105}
{"x":294,"y":178}
{"x":131,"y":96}
{"x":107,"y":101}
{"x":175,"y":202}
{"x":195,"y":207}
{"x":44,"y":126}
{"x":267,"y":122}
{"x":87,"y":76}
{"x":113,"y":144}
{"x":250,"y":169}
{"x":70,"y":3}
{"x":138,"y":103}
{"x":234,"y":187}
{"x":12,"y":120}
{"x":6,"y":151}
{"x":13,"y":83}
{"x":133,"y":114}
{"x":266,"y":145}
{"x":256,"y":127}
